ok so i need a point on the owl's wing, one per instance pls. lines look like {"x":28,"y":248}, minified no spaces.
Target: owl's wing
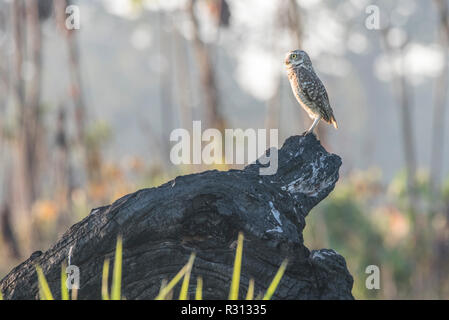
{"x":315,"y":91}
{"x":311,"y":85}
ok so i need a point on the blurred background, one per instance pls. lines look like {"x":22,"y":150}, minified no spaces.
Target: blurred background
{"x":86,"y":114}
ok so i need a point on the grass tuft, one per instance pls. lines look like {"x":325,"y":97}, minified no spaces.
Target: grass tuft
{"x":165,"y":290}
{"x":104,"y":280}
{"x":117,"y":272}
{"x":183,"y":295}
{"x":64,"y":289}
{"x":199,"y":289}
{"x":44,"y":289}
{"x":277,"y":278}
{"x":234,"y":292}
{"x":250,"y":293}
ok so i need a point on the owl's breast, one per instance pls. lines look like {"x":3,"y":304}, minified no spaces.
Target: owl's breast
{"x":308,"y":105}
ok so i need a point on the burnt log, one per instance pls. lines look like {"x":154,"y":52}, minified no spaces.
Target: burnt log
{"x":204,"y":213}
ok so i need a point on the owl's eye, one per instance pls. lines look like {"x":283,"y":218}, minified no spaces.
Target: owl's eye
{"x":294,"y":56}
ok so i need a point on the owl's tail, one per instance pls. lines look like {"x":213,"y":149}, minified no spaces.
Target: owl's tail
{"x":334,"y":122}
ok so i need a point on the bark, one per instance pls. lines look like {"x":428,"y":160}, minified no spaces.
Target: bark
{"x":203,"y":213}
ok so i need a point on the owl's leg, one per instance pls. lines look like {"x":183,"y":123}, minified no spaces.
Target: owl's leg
{"x":314,"y":124}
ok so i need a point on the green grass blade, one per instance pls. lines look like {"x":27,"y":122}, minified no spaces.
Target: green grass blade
{"x":277,"y":278}
{"x":234,"y":292}
{"x":64,"y":289}
{"x":164,"y":291}
{"x":199,"y":289}
{"x":163,"y":285}
{"x":183,"y":294}
{"x":117,"y":272}
{"x":250,"y":293}
{"x":44,"y":289}
{"x":1,"y":295}
{"x":104,"y":280}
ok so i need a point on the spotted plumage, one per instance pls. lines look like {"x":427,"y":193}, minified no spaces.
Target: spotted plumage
{"x":308,"y":88}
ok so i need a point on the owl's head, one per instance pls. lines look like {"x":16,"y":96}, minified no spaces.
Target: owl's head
{"x":297,"y":58}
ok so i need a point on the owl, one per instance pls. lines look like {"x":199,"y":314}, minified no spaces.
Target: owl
{"x":308,"y":88}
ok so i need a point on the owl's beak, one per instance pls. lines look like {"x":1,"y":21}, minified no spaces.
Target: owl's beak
{"x":287,"y":61}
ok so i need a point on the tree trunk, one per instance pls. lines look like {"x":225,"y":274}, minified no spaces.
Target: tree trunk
{"x":204,"y":213}
{"x":439,"y":111}
{"x":213,"y":117}
{"x":74,"y":68}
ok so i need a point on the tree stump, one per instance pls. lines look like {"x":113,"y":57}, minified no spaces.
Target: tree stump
{"x":204,"y":213}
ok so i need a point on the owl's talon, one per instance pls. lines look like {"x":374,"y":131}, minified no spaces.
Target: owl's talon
{"x":306,"y":133}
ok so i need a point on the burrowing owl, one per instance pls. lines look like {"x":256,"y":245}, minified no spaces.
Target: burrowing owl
{"x":308,"y":88}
